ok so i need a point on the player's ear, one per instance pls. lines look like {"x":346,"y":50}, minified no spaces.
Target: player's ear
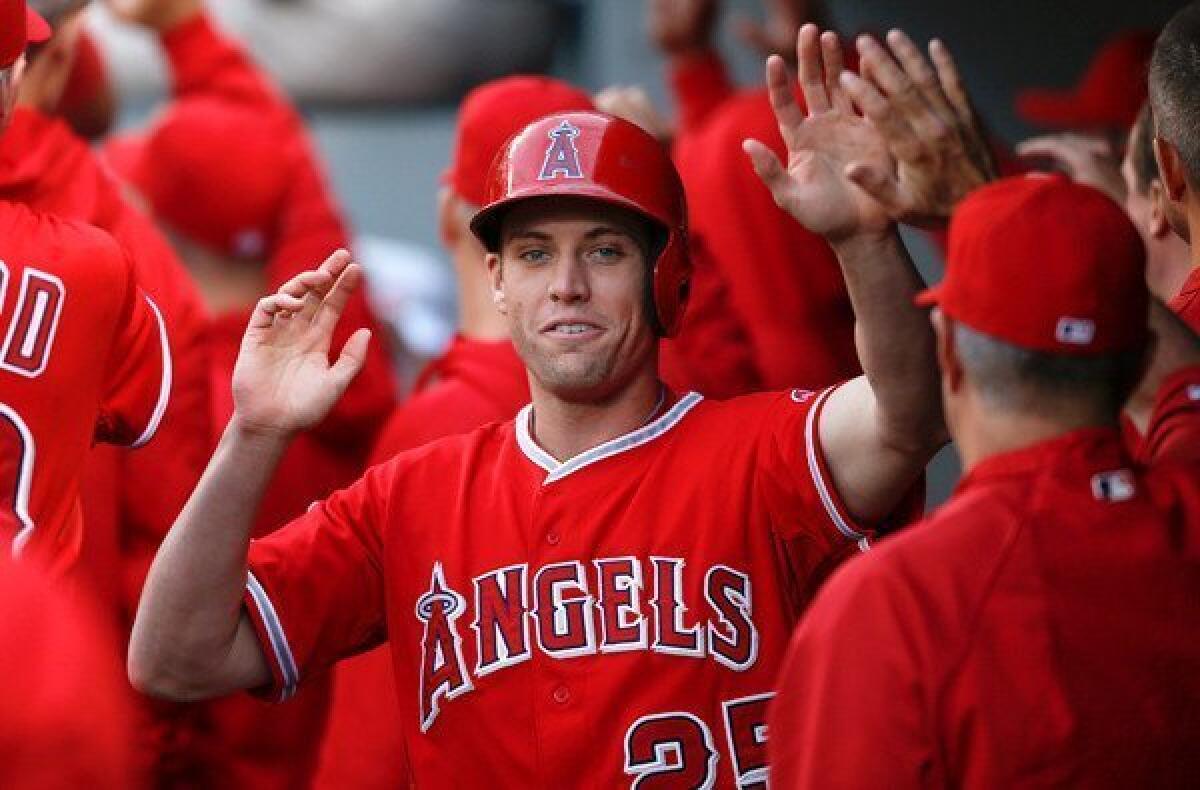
{"x":947,"y":352}
{"x":1171,"y":168}
{"x":495,"y":269}
{"x":1158,"y":225}
{"x":448,"y":209}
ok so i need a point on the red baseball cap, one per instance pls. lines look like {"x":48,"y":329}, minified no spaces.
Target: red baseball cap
{"x":1111,"y":93}
{"x":213,"y":170}
{"x":20,"y":26}
{"x":494,"y":112}
{"x":1045,"y":264}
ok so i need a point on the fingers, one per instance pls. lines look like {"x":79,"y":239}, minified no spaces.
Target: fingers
{"x":919,"y":71}
{"x":335,"y":301}
{"x":881,"y":186}
{"x":768,"y":168}
{"x":351,"y":360}
{"x":951,"y":82}
{"x":783,"y":101}
{"x":831,"y":55}
{"x":277,"y":305}
{"x":901,"y":139}
{"x":812,"y":73}
{"x":901,"y":91}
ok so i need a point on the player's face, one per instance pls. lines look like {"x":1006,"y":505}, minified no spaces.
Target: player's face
{"x":571,"y":279}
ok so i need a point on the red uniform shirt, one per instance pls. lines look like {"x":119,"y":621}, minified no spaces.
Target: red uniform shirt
{"x":555,"y":621}
{"x":64,"y":721}
{"x":130,"y":499}
{"x":1173,"y":432}
{"x":1036,"y":631}
{"x":85,"y":357}
{"x":472,"y":384}
{"x":1186,"y":303}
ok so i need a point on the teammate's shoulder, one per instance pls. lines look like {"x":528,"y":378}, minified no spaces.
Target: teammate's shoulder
{"x":51,"y":241}
{"x":458,"y":447}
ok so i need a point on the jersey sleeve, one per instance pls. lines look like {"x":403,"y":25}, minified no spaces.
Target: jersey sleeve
{"x":700,"y":85}
{"x":796,"y":479}
{"x":137,"y":385}
{"x":1173,"y":431}
{"x":315,"y":588}
{"x":850,"y":709}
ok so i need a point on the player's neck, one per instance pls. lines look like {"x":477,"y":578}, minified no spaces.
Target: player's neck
{"x":988,"y":435}
{"x":565,"y":429}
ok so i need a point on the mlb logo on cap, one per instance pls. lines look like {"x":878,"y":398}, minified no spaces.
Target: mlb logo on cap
{"x":1047,"y":265}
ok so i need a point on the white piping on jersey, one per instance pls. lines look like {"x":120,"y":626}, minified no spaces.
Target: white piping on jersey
{"x":164,"y":392}
{"x":24,"y":480}
{"x":647,"y":433}
{"x":814,"y":468}
{"x":279,"y":643}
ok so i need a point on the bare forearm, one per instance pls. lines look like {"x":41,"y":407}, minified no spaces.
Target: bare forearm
{"x":190,"y":612}
{"x":894,"y":339}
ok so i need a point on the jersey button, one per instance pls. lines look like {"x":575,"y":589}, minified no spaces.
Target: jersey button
{"x":552,"y":538}
{"x":562,"y":695}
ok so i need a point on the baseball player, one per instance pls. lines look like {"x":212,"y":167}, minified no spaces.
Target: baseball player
{"x":598,"y":590}
{"x":784,"y":283}
{"x":85,"y":354}
{"x":479,"y":379}
{"x":228,"y":169}
{"x":1035,"y":631}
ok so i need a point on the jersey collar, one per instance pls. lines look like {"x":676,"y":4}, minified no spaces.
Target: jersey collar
{"x":647,"y":433}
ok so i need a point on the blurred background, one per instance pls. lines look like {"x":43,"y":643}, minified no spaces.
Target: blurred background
{"x":379,"y":81}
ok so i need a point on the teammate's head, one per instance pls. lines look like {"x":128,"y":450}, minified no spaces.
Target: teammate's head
{"x":1043,"y":309}
{"x":20,"y":26}
{"x":213,"y":173}
{"x":1167,"y":256}
{"x":1174,"y":77}
{"x":586,"y":234}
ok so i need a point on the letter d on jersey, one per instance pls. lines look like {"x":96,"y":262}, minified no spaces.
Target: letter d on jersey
{"x":443,"y":671}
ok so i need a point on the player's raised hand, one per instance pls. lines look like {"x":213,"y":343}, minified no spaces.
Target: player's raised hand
{"x":283,"y":381}
{"x":158,"y":15}
{"x":682,"y":27}
{"x":1087,"y":160}
{"x":931,"y":130}
{"x":824,"y":146}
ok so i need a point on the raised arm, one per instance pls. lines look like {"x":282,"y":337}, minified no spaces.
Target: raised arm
{"x":191,"y":638}
{"x":877,"y":431}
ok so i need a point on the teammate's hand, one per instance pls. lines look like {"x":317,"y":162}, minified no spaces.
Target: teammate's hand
{"x":1087,"y":160}
{"x":634,"y":105}
{"x":925,"y":115}
{"x":680,"y":28}
{"x":45,"y":78}
{"x":158,"y":15}
{"x":283,"y":382}
{"x":824,"y":147}
{"x":776,"y":35}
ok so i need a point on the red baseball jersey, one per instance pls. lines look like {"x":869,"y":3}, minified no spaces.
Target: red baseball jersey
{"x":1036,"y":631}
{"x":84,"y":357}
{"x":619,"y":616}
{"x":1186,"y":303}
{"x":1173,"y":432}
{"x":64,"y":719}
{"x":473,"y":383}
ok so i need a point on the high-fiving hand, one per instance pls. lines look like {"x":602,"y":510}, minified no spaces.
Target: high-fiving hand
{"x":283,"y":381}
{"x":158,"y":15}
{"x":931,"y":130}
{"x":827,"y":148}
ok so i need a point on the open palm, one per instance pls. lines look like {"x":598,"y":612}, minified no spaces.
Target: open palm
{"x":283,"y":381}
{"x":825,"y":146}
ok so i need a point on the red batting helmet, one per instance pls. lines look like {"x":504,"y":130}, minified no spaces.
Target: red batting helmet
{"x":596,"y":156}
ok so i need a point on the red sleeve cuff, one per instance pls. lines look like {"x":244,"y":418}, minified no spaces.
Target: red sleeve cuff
{"x":846,"y":527}
{"x":271,"y":636}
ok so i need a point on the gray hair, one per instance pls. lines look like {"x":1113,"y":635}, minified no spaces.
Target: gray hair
{"x":1175,"y":86}
{"x":1011,"y":378}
